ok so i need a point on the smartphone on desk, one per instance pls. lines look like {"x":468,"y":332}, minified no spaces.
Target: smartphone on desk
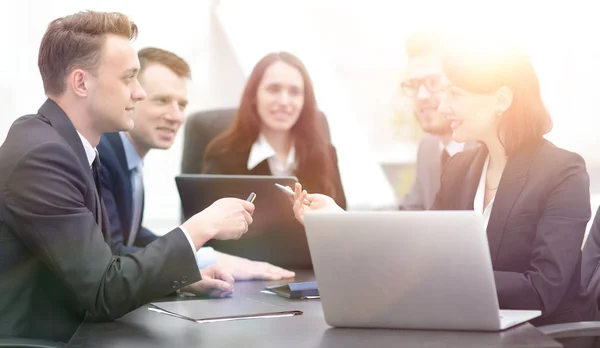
{"x":304,"y":290}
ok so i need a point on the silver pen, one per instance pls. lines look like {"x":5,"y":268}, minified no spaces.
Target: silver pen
{"x":288,"y":191}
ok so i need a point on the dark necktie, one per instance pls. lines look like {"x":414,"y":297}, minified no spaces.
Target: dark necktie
{"x":445,"y":158}
{"x":96,"y":171}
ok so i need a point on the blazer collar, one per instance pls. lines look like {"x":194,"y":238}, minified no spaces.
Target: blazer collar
{"x":472,"y":178}
{"x":261,"y":169}
{"x":512,"y":182}
{"x":115,"y":141}
{"x":63,"y":125}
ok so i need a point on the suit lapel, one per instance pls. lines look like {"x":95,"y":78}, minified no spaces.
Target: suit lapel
{"x":114,"y":139}
{"x":116,"y":143}
{"x":512,"y":182}
{"x":471,"y":179}
{"x":63,"y":125}
{"x":261,"y":169}
{"x":105,"y":224}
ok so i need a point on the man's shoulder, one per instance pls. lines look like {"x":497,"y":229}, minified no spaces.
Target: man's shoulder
{"x":429,"y":140}
{"x":32,"y":146}
{"x":34,"y":125}
{"x":429,"y":147}
{"x":107,"y":149}
{"x":109,"y":142}
{"x":30,"y":133}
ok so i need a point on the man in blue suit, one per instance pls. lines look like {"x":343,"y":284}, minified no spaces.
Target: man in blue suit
{"x":163,"y":76}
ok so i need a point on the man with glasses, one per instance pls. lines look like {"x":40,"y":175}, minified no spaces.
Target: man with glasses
{"x":423,"y":84}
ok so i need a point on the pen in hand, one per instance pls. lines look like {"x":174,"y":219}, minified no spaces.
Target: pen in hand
{"x":251,"y":197}
{"x":288,"y":191}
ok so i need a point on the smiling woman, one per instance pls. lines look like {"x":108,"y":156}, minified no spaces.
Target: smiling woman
{"x":492,"y":90}
{"x":277,"y":130}
{"x":532,"y":195}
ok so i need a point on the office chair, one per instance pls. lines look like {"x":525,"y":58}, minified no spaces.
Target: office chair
{"x":202,"y":127}
{"x":29,"y":343}
{"x":591,"y":274}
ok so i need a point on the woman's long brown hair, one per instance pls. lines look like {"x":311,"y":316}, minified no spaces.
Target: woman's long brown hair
{"x":315,"y":168}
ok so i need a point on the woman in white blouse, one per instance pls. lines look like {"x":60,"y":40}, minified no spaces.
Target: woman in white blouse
{"x":533,"y":195}
{"x":278,"y":130}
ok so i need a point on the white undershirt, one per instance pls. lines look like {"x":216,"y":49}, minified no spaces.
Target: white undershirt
{"x":480,"y":196}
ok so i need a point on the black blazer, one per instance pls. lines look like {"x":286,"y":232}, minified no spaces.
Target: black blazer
{"x":535,"y":230}
{"x":236,"y":163}
{"x":117,"y":195}
{"x":56,"y":267}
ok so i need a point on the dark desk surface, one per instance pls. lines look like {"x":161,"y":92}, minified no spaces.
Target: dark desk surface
{"x":143,"y":328}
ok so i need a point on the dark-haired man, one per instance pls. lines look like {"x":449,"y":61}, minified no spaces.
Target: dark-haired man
{"x":422,"y":83}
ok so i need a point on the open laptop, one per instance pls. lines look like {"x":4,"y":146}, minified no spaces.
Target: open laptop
{"x":406,"y":270}
{"x":274,"y":236}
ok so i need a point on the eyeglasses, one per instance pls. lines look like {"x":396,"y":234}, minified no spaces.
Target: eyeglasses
{"x":433,"y":83}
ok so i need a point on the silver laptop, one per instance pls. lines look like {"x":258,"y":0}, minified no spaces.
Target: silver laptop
{"x":406,"y":270}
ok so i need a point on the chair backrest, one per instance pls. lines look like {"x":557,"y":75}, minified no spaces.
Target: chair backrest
{"x":202,"y":127}
{"x":590,"y":266}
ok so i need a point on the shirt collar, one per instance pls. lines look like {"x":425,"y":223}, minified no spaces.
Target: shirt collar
{"x":453,"y":147}
{"x":261,"y":150}
{"x":90,"y":151}
{"x":131,"y":156}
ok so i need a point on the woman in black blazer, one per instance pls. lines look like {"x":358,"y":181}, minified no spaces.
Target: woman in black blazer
{"x":277,"y":131}
{"x":533,"y":195}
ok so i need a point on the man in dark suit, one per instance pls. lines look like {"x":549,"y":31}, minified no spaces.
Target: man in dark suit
{"x":164,"y":77}
{"x":423,"y":84}
{"x":56,"y":267}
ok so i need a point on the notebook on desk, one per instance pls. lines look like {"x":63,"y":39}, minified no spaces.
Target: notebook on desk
{"x":220,"y":310}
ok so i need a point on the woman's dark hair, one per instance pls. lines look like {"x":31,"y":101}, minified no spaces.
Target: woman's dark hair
{"x":486,"y":67}
{"x":314,"y":165}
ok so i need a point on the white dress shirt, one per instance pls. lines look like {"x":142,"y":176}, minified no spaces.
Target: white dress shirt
{"x":90,"y":151}
{"x":261,"y":150}
{"x":135,"y":165}
{"x":480,"y":196}
{"x":452,"y":148}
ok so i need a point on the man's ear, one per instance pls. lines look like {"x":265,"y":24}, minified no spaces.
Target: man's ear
{"x":79,"y":81}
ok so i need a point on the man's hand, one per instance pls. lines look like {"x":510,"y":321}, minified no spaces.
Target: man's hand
{"x":216,"y":282}
{"x":227,"y":218}
{"x":244,"y":269}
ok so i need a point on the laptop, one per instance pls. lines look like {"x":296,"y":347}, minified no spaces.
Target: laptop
{"x":407,"y":270}
{"x":275,"y":236}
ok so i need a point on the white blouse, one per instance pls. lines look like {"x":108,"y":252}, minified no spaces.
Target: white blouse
{"x":261,"y":150}
{"x":480,"y":196}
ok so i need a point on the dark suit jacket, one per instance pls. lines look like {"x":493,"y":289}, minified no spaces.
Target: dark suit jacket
{"x":117,"y":195}
{"x":56,"y":267}
{"x":428,"y":173}
{"x":535,"y":230}
{"x":237,"y":164}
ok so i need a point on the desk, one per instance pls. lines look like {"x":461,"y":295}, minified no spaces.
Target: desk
{"x":143,"y":328}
